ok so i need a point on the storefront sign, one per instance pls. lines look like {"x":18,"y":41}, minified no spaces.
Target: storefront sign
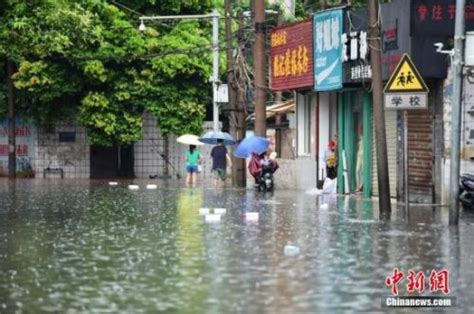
{"x":436,"y":17}
{"x":25,"y":133}
{"x":328,"y":50}
{"x":355,"y":53}
{"x":292,"y":56}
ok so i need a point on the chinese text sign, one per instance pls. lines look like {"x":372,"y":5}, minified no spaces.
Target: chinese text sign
{"x":292,"y":56}
{"x":328,"y":50}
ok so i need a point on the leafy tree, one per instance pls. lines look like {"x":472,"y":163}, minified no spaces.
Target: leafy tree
{"x":87,"y":59}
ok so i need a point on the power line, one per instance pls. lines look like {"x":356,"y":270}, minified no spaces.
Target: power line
{"x":126,"y":8}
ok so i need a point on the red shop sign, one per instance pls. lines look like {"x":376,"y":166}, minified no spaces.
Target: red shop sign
{"x":292,"y":56}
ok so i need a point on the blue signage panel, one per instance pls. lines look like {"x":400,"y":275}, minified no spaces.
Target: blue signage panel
{"x":328,"y":50}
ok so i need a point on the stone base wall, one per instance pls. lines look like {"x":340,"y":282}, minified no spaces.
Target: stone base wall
{"x":73,"y":157}
{"x":293,"y":174}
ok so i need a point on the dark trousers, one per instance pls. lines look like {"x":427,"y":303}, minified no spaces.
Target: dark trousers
{"x":331,"y":172}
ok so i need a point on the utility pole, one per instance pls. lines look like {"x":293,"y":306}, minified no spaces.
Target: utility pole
{"x":215,"y":68}
{"x":11,"y":123}
{"x":379,"y":110}
{"x":259,"y":69}
{"x":235,"y":110}
{"x":456,"y":110}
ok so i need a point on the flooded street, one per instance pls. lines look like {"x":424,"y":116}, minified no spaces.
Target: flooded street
{"x":86,"y":246}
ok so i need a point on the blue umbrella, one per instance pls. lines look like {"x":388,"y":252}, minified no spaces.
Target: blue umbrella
{"x":252,"y":144}
{"x":212,"y":137}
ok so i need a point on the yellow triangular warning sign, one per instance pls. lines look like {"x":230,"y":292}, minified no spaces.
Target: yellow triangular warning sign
{"x":405,"y":78}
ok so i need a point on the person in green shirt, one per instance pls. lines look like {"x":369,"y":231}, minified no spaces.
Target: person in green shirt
{"x":193,"y":159}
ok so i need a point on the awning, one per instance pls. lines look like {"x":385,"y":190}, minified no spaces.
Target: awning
{"x":280,"y":108}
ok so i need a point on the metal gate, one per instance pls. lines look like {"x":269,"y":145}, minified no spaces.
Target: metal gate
{"x":420,"y":156}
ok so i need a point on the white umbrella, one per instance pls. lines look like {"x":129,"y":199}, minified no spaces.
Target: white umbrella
{"x":189,"y":139}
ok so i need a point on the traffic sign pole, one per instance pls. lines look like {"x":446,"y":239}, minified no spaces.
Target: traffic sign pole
{"x":405,"y":158}
{"x":406,"y":90}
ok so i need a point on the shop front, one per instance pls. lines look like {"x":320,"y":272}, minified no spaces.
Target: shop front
{"x":292,"y":78}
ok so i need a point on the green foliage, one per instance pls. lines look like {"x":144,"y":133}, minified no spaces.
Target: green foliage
{"x":86,"y":58}
{"x":107,"y":122}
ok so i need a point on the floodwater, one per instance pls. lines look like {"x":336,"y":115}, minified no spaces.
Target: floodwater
{"x":85,"y":246}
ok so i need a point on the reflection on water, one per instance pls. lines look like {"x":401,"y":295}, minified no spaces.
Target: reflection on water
{"x":87,"y":246}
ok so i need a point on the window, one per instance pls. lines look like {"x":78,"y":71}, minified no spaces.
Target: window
{"x":67,"y":137}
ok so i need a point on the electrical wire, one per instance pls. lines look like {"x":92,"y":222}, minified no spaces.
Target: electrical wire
{"x":126,"y":8}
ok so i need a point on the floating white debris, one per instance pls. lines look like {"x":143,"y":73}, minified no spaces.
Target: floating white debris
{"x":324,"y":206}
{"x":251,"y":216}
{"x":133,"y":187}
{"x":314,"y":191}
{"x":203,"y":211}
{"x":113,"y":183}
{"x":220,"y":211}
{"x":213,"y":218}
{"x":291,"y":250}
{"x":151,"y":187}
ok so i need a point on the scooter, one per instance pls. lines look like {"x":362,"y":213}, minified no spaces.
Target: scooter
{"x":466,"y":190}
{"x":265,"y":182}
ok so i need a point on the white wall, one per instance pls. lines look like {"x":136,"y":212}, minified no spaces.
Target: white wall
{"x":300,"y":125}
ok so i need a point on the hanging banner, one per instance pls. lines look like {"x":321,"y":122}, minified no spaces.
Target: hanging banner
{"x":328,"y":50}
{"x":292,"y":56}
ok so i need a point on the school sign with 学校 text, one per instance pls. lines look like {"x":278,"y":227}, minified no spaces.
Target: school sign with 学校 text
{"x":406,"y":89}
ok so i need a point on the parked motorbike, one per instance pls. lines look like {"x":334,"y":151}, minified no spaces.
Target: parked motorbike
{"x":466,"y":190}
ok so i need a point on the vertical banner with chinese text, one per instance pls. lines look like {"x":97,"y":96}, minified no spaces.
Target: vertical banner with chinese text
{"x":292,"y":56}
{"x":328,"y":50}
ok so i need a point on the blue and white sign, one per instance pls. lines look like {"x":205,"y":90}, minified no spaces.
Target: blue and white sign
{"x":328,"y":50}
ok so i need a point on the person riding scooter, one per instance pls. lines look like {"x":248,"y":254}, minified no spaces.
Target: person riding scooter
{"x":261,"y":164}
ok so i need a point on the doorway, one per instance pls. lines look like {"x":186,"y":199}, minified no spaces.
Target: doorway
{"x":110,"y":162}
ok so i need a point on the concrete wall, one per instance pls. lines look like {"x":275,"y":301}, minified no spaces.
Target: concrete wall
{"x":467,"y":133}
{"x":26,"y":137}
{"x":147,"y":151}
{"x":72,"y":157}
{"x":288,"y":142}
{"x":297,"y":174}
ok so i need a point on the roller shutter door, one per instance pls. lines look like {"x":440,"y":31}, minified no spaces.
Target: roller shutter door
{"x":420,"y":156}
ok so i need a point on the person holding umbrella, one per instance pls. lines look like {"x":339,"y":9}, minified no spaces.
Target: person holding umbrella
{"x":256,"y":148}
{"x":220,"y":159}
{"x":193,"y":159}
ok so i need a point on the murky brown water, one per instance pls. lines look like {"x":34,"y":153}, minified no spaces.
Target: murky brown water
{"x":85,"y":246}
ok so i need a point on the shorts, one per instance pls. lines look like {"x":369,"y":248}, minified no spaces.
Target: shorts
{"x":192,"y":169}
{"x":220,"y":174}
